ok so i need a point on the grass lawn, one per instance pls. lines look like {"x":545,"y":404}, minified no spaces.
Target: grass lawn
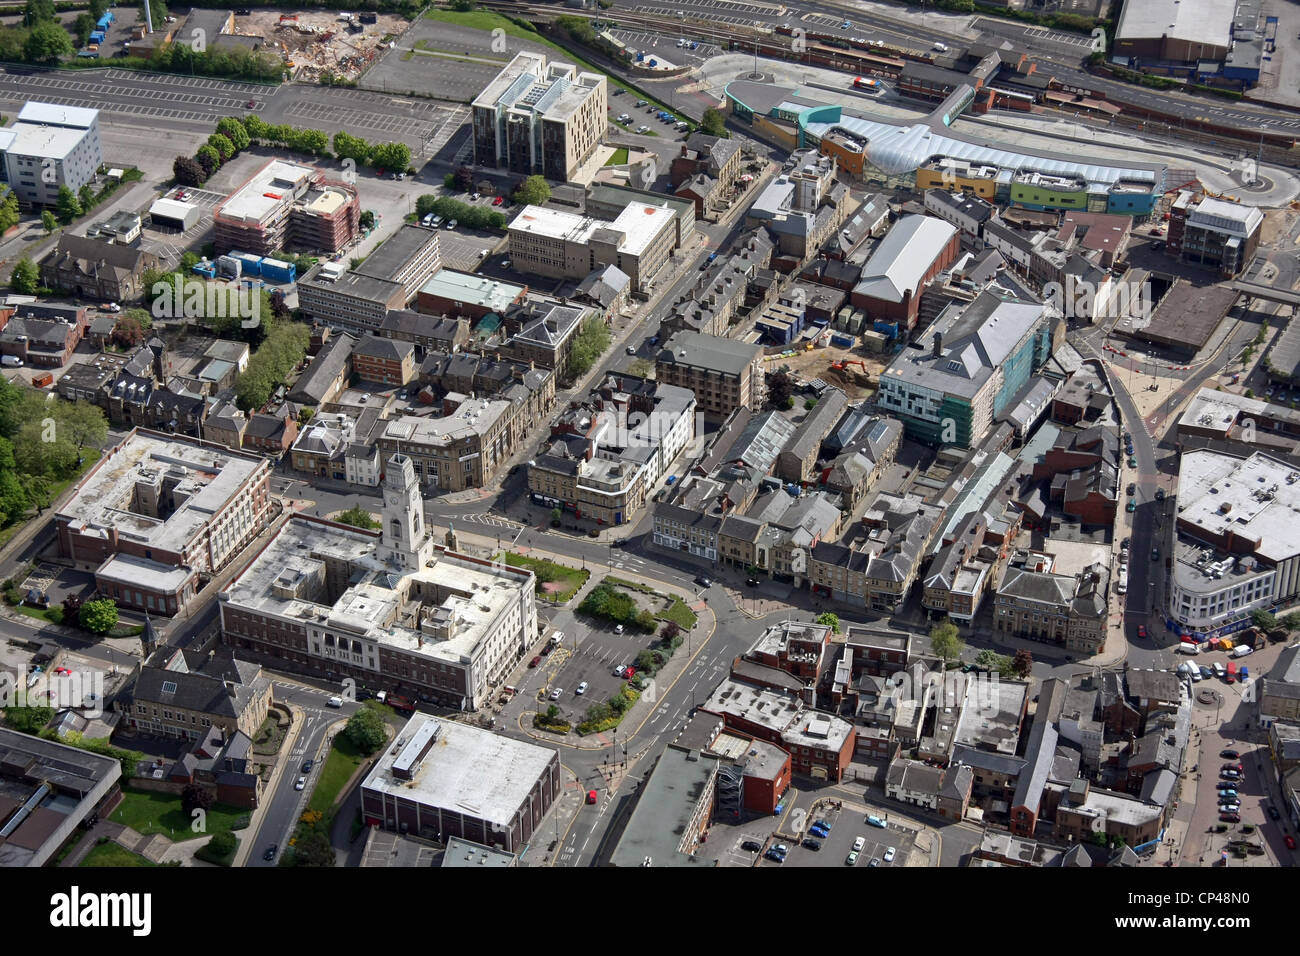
{"x":146,"y":811}
{"x":619,"y":157}
{"x":110,"y":854}
{"x":342,"y":762}
{"x":548,"y":572}
{"x":77,"y":836}
{"x":680,"y":614}
{"x":42,"y":613}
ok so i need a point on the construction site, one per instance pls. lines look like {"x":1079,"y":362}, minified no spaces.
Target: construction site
{"x":851,"y":370}
{"x":318,"y":42}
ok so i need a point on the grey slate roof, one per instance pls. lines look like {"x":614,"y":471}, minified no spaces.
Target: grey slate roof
{"x":312,"y":385}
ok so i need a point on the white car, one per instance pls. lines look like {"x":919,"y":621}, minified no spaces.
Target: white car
{"x":889,"y":855}
{"x":1230,"y":808}
{"x":302,"y":782}
{"x":620,"y":670}
{"x":618,"y":628}
{"x":858,"y":844}
{"x":582,"y":689}
{"x":555,"y":694}
{"x":643,"y":129}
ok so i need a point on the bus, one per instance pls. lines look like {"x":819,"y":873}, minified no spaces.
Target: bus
{"x":867,"y":83}
{"x":1231,"y":675}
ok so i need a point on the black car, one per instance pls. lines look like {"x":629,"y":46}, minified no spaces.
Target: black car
{"x":1128,"y":438}
{"x":812,"y":844}
{"x":1132,"y":489}
{"x":1273,"y":814}
{"x":703,"y":581}
{"x":752,"y":846}
{"x":1229,"y":755}
{"x":307,"y":765}
{"x":1155,"y":554}
{"x":270,"y":851}
{"x":751,"y":582}
{"x":1160,"y":494}
{"x":1124,"y":543}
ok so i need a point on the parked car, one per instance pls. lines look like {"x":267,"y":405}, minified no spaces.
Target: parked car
{"x":643,"y":128}
{"x":889,"y":855}
{"x":452,"y":224}
{"x":1132,"y":489}
{"x":752,"y":846}
{"x":618,"y":628}
{"x":537,"y":659}
{"x":1234,"y":766}
{"x":498,"y":201}
{"x":1273,"y":813}
{"x":859,"y":843}
{"x":620,"y":670}
{"x":1229,"y":755}
{"x":1131,"y":506}
{"x":852,"y":858}
{"x":582,"y":689}
{"x":1160,"y":494}
{"x":876,"y":822}
{"x":1132,"y":462}
{"x":875,"y":861}
{"x":811,"y":844}
{"x":555,"y":694}
{"x":1230,"y":817}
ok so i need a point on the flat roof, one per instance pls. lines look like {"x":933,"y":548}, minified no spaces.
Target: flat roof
{"x":640,"y":223}
{"x":208,"y":476}
{"x":1254,"y":499}
{"x":55,"y":114}
{"x":465,"y":287}
{"x":395,"y":253}
{"x":469,"y":771}
{"x":1185,"y":318}
{"x":696,"y":350}
{"x":287,"y":579}
{"x":46,"y":142}
{"x":658,"y":826}
{"x":274,"y":185}
{"x":150,"y":574}
{"x":1202,"y":21}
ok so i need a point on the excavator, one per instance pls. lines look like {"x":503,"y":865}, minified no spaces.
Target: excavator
{"x":842,"y":366}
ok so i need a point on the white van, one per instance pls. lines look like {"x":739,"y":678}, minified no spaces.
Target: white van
{"x":941,"y":47}
{"x":335,"y":702}
{"x":556,"y":638}
{"x":1241,"y":650}
{"x":1218,"y":670}
{"x":1184,"y":648}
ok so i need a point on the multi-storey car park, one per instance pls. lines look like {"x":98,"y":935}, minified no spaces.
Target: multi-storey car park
{"x":287,"y":205}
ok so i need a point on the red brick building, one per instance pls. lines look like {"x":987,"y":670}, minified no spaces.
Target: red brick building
{"x":384,"y":361}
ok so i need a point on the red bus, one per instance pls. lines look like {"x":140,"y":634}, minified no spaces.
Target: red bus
{"x":1232,"y":673}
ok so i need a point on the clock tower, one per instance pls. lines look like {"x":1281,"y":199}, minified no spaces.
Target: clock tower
{"x":405,"y":539}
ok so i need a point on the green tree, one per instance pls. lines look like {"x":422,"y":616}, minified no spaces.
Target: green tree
{"x":39,"y":11}
{"x":831,"y":620}
{"x":367,"y":219}
{"x":234,"y":131}
{"x":26,"y":278}
{"x":97,"y":9}
{"x":365,"y":730}
{"x":645,"y":621}
{"x":714,"y":123}
{"x":1263,"y":619}
{"x":945,"y":641}
{"x":394,"y":156}
{"x":48,"y":221}
{"x":83,"y":26}
{"x":358,"y":517}
{"x":222,"y":844}
{"x":159,"y":10}
{"x":224,"y":147}
{"x":47,"y":43}
{"x":588,"y":345}
{"x":207,"y":157}
{"x":533,"y":191}
{"x":305,"y":414}
{"x":86,"y":196}
{"x":67,"y":206}
{"x":313,"y":849}
{"x":556,"y":515}
{"x":347,"y":146}
{"x":99,"y":617}
{"x":13,"y":498}
{"x":28,"y":719}
{"x":10,"y":214}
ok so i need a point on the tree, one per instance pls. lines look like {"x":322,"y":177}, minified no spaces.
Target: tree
{"x":9,"y":213}
{"x":365,"y":730}
{"x":780,"y":386}
{"x":714,"y":123}
{"x":224,"y":147}
{"x":556,"y":515}
{"x":305,"y":414}
{"x":28,"y":719}
{"x":48,"y":221}
{"x":234,"y":131}
{"x":47,"y":43}
{"x":670,"y":631}
{"x":194,"y":797}
{"x":72,"y":607}
{"x":67,"y":206}
{"x":13,"y":498}
{"x":26,"y":278}
{"x":159,"y":10}
{"x":394,"y":156}
{"x":83,"y":26}
{"x":588,"y":345}
{"x":222,"y":844}
{"x":97,"y":9}
{"x":645,"y":621}
{"x":39,"y":11}
{"x":189,"y":171}
{"x":367,"y":220}
{"x":358,"y":517}
{"x":86,"y":196}
{"x":1263,"y":619}
{"x":464,"y":178}
{"x":207,"y":157}
{"x":127,"y":333}
{"x":98,"y":617}
{"x":1023,"y":663}
{"x":347,"y":146}
{"x":945,"y":641}
{"x":831,"y":620}
{"x":533,"y":191}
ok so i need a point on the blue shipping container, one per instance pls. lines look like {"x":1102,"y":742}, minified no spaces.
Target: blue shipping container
{"x":205,"y":269}
{"x":844,"y":341}
{"x":97,"y":37}
{"x":251,"y":264}
{"x":275,"y":270}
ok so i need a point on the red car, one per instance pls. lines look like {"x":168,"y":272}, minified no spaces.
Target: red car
{"x":1290,"y":842}
{"x":498,"y":201}
{"x":1230,"y":817}
{"x":592,"y":796}
{"x":1142,"y":631}
{"x":629,"y":673}
{"x":62,"y":670}
{"x":535,"y":661}
{"x":251,"y":104}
